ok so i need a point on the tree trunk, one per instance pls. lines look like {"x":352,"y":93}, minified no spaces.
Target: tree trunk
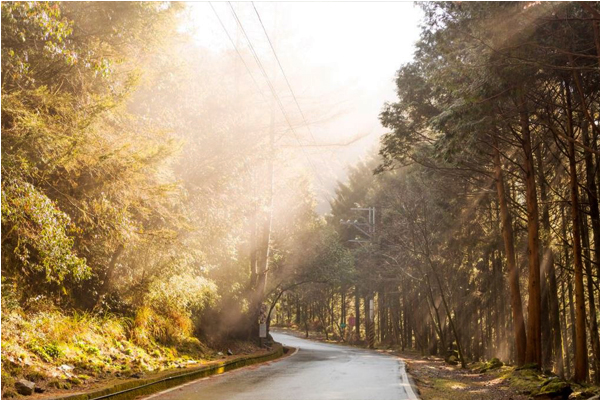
{"x":553,"y":347}
{"x":581,"y":365}
{"x":513,"y":272}
{"x":572,"y":317}
{"x":264,"y":249}
{"x":437,"y":320}
{"x":396,"y":318}
{"x":254,"y":247}
{"x":461,"y":355}
{"x":369,"y":322}
{"x":565,"y":331}
{"x":534,"y":320}
{"x":405,"y":338}
{"x":591,"y":299}
{"x":555,"y":317}
{"x":592,"y":196}
{"x":343,"y":312}
{"x":110,"y":271}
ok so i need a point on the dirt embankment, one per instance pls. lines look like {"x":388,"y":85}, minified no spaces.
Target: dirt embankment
{"x":52,"y":354}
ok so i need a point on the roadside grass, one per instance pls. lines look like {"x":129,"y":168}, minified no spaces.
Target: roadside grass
{"x":65,"y":351}
{"x":530,"y":381}
{"x":438,"y":380}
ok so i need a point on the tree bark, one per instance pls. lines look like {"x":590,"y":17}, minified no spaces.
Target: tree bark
{"x":513,"y":272}
{"x":461,"y":356}
{"x":592,"y":197}
{"x":437,"y":320}
{"x":593,"y":325}
{"x":110,"y":270}
{"x":565,"y":332}
{"x":533,"y":353}
{"x":581,"y":362}
{"x":554,"y":333}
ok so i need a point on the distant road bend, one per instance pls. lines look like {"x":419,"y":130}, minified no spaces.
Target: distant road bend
{"x":318,"y":371}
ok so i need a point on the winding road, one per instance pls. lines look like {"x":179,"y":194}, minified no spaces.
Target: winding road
{"x":317,"y":371}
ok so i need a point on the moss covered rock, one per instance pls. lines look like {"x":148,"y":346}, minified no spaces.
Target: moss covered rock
{"x":527,"y":381}
{"x":451,"y":357}
{"x":494,"y":363}
{"x":553,"y":389}
{"x":452,"y":360}
{"x":528,"y":366}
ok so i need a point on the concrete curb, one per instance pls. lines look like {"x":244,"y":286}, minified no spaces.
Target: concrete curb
{"x":134,"y":388}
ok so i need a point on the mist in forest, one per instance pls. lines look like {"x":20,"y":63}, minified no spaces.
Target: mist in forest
{"x":339,"y":75}
{"x":177,"y":178}
{"x":180,"y":142}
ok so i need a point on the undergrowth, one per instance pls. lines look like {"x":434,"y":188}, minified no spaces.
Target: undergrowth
{"x":59,"y":350}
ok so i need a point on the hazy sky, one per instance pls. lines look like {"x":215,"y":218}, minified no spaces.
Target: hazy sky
{"x":340,"y":59}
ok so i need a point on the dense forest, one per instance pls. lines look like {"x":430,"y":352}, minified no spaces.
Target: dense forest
{"x":140,"y":208}
{"x":487,"y":236}
{"x":146,"y":199}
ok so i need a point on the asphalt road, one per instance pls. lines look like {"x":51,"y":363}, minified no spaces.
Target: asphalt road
{"x":318,"y":371}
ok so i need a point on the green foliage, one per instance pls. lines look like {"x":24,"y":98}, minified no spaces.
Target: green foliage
{"x":123,"y":190}
{"x":59,"y":384}
{"x":492,"y":364}
{"x":47,"y":352}
{"x":32,"y":30}
{"x":38,"y":342}
{"x":181,"y":292}
{"x":75,"y":187}
{"x":332,"y":262}
{"x":89,"y":349}
{"x":44,"y":244}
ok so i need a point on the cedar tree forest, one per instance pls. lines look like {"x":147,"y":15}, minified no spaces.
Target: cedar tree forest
{"x":145,"y":198}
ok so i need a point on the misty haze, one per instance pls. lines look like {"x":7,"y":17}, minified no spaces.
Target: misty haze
{"x":300,"y":200}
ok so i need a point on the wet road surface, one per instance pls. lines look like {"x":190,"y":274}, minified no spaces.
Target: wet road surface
{"x":318,"y":371}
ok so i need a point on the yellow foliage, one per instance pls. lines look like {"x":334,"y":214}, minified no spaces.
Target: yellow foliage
{"x":42,"y":340}
{"x":150,"y":326}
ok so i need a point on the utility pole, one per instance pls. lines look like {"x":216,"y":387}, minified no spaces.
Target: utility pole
{"x":367,"y":231}
{"x":366,"y":228}
{"x":266,"y":231}
{"x":268,"y":221}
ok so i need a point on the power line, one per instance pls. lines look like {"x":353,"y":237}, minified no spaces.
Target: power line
{"x":244,"y":61}
{"x":284,"y":74}
{"x":293,"y":96}
{"x":238,"y":53}
{"x":262,"y":69}
{"x":257,"y":59}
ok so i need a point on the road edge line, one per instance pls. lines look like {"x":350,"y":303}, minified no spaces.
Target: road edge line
{"x":411,"y":384}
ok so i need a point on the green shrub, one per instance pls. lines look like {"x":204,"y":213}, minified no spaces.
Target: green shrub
{"x":74,"y":381}
{"x":47,"y":352}
{"x":88,"y":349}
{"x":59,"y":384}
